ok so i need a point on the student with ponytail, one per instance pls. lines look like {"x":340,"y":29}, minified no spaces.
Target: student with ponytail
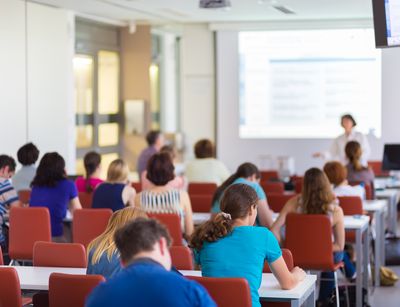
{"x":355,"y":170}
{"x":229,"y":245}
{"x":91,"y":180}
{"x":247,"y":173}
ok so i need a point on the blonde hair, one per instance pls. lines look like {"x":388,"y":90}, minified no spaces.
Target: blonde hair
{"x":104,"y":243}
{"x":117,"y":171}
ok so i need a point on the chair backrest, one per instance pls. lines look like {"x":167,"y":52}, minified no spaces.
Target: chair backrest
{"x":181,"y":257}
{"x":376,"y":166}
{"x":351,"y":205}
{"x":173,"y":224}
{"x":298,"y":185}
{"x":369,"y":194}
{"x":202,"y":188}
{"x":86,"y":199}
{"x":226,"y":292}
{"x":273,"y":187}
{"x":88,"y":224}
{"x":277,"y":201}
{"x":27,"y":225}
{"x":267,"y":175}
{"x":309,"y":238}
{"x":71,"y":255}
{"x":67,"y":290}
{"x":287,"y":257}
{"x":10,"y":290}
{"x":201,"y":202}
{"x":137,"y":186}
{"x":24,"y":196}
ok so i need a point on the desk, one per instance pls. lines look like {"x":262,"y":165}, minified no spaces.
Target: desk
{"x":37,"y":278}
{"x":393,"y":197}
{"x":270,"y":290}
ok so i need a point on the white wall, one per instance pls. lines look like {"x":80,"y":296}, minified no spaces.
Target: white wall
{"x":233,"y":150}
{"x":41,"y":109}
{"x":197,"y":84}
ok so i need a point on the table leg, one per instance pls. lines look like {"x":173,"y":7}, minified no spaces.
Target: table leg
{"x":378,"y":243}
{"x":382,"y":247}
{"x":359,"y":268}
{"x":294,"y":303}
{"x":366,"y":259}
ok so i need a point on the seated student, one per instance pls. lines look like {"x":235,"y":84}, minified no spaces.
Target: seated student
{"x":116,"y":192}
{"x":27,"y":155}
{"x":206,"y":168}
{"x":155,"y":140}
{"x":229,"y":245}
{"x":247,"y":173}
{"x":337,"y":175}
{"x":91,"y":161}
{"x":103,"y":257}
{"x":162,"y":198}
{"x":146,"y":280}
{"x":317,"y":198}
{"x":52,"y":189}
{"x":8,"y":195}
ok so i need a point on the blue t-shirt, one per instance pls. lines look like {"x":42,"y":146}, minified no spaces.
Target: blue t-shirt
{"x":240,"y":254}
{"x":109,"y":195}
{"x":56,"y":199}
{"x":104,"y":267}
{"x":146,"y":283}
{"x":255,"y":185}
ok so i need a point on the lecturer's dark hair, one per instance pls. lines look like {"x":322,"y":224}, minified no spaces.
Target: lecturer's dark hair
{"x":235,"y":204}
{"x":349,"y":117}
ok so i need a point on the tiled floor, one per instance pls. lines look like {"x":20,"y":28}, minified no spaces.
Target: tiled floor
{"x":387,"y":296}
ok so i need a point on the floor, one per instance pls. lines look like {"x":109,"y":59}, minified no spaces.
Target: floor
{"x":387,"y":296}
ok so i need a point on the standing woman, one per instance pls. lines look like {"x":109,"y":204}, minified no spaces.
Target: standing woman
{"x":248,"y":174}
{"x":337,"y":149}
{"x":52,"y":189}
{"x":115,"y":193}
{"x":91,"y":161}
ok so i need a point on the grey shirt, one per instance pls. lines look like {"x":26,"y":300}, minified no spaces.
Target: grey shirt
{"x":23,"y":178}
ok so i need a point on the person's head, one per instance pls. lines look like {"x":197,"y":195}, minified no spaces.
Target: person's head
{"x":160,"y":169}
{"x":169,"y":149}
{"x":91,"y":161}
{"x":105,"y":242}
{"x":51,"y":169}
{"x":204,"y":149}
{"x":118,"y":171}
{"x":7,"y":166}
{"x":239,"y":202}
{"x":28,"y":154}
{"x":336,"y":172}
{"x":155,"y":138}
{"x":317,"y":192}
{"x":246,"y":170}
{"x":144,"y":238}
{"x":353,"y":153}
{"x":348,"y":122}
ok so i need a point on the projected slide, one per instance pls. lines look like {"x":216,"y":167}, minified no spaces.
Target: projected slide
{"x":296,"y":84}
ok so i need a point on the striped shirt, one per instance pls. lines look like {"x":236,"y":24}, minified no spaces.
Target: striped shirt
{"x":7,"y":196}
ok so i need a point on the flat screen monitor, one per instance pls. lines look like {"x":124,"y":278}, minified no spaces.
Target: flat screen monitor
{"x":386,"y":23}
{"x":391,"y":157}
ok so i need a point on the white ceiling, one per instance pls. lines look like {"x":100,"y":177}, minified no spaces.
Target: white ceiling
{"x":188,"y":11}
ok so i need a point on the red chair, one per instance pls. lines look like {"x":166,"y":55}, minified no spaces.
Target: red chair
{"x":369,"y":190}
{"x":27,"y":225}
{"x":68,"y":255}
{"x":202,"y":188}
{"x":89,"y":224}
{"x":137,"y":186}
{"x":181,"y":257}
{"x":277,"y":201}
{"x":201,"y":202}
{"x":173,"y":224}
{"x":351,"y":205}
{"x":66,"y":290}
{"x":86,"y":199}
{"x":298,"y":185}
{"x":24,"y":196}
{"x":269,"y":175}
{"x":376,"y":167}
{"x":273,"y":187}
{"x":287,"y":256}
{"x":226,"y":292}
{"x":311,"y":249}
{"x":10,"y":290}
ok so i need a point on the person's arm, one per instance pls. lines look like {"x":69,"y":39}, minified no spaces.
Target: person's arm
{"x":264,"y":213}
{"x":138,"y":203}
{"x":289,"y":207}
{"x":187,"y":208}
{"x":74,"y":204}
{"x":287,"y":280}
{"x":338,"y":230}
{"x":128,"y":196}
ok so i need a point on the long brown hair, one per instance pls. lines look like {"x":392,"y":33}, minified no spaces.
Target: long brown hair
{"x":317,"y":193}
{"x":353,"y":153}
{"x":91,"y":162}
{"x":235,"y":204}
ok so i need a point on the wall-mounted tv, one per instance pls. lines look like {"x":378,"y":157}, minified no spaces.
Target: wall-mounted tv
{"x":386,"y":23}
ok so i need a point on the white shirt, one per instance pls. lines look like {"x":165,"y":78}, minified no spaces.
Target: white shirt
{"x":348,"y":190}
{"x":207,"y":170}
{"x":337,"y":153}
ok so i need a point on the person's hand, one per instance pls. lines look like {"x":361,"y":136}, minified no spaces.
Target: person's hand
{"x":299,"y":273}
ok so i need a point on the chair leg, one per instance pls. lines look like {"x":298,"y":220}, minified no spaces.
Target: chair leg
{"x":337,"y":290}
{"x":11,"y":262}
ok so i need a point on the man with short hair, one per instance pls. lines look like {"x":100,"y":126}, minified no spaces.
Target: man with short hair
{"x":155,"y":140}
{"x":27,"y":155}
{"x":146,"y":280}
